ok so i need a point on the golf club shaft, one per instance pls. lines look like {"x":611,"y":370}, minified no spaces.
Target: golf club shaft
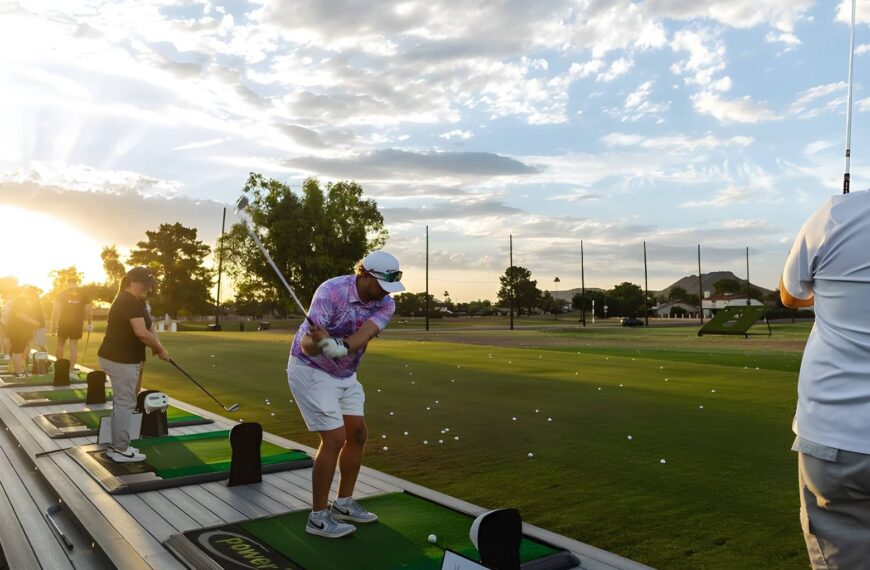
{"x":280,"y":275}
{"x":849,"y":103}
{"x":189,"y":377}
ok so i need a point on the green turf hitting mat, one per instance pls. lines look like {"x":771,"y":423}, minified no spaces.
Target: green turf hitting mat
{"x":54,"y":397}
{"x":47,"y":379}
{"x":173,"y":461}
{"x":735,"y":321}
{"x":397,"y":540}
{"x":87,"y":422}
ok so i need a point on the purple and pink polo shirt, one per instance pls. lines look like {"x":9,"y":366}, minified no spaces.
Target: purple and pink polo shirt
{"x":336,"y":307}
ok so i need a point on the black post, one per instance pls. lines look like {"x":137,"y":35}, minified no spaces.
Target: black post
{"x":582,"y":286}
{"x":645,"y":288}
{"x":512,"y":279}
{"x":700,"y":288}
{"x":217,"y":315}
{"x":427,"y":277}
{"x":748,"y":288}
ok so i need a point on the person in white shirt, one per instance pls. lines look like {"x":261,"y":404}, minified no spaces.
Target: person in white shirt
{"x":829,"y":267}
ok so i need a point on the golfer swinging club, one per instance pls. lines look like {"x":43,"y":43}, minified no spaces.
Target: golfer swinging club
{"x":349,"y":311}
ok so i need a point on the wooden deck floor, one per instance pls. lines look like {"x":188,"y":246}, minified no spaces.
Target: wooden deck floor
{"x":129,"y":529}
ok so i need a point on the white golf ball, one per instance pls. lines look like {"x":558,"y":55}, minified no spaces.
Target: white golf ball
{"x":531,"y":455}
{"x":456,"y":437}
{"x":700,"y":407}
{"x":440,"y":441}
{"x":425,"y":442}
{"x":549,"y":419}
{"x":662,"y":461}
{"x":629,"y":438}
{"x":386,"y":448}
{"x":514,"y":419}
{"x":406,"y":433}
{"x":433,"y":539}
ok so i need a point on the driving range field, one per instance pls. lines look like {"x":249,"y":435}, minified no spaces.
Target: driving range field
{"x":656,"y":444}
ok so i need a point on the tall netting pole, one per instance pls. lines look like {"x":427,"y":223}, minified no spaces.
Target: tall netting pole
{"x":849,"y":102}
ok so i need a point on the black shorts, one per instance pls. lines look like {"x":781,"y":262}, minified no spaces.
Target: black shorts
{"x":69,"y":332}
{"x":19,"y":342}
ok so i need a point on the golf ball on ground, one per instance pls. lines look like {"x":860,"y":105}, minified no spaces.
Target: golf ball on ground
{"x":433,"y":539}
{"x":662,"y":461}
{"x":629,"y":438}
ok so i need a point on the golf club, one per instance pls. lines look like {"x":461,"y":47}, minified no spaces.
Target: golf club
{"x":241,"y":210}
{"x":232,"y":408}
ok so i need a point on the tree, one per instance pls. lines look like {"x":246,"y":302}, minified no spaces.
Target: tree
{"x":625,"y":299}
{"x":176,"y":257}
{"x":413,"y":304}
{"x":677,"y":293}
{"x":525,"y":290}
{"x":447,"y":302}
{"x":475,"y":308}
{"x":112,"y":265}
{"x":312,"y":236}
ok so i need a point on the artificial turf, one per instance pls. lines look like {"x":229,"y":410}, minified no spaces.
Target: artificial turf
{"x":61,"y":395}
{"x":397,"y":540}
{"x":91,"y":418}
{"x":207,"y":452}
{"x":725,"y":498}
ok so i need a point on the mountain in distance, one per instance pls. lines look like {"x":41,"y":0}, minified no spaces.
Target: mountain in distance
{"x":689,"y":283}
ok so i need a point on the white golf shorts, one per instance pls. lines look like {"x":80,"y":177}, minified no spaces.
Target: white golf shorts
{"x":324,"y":400}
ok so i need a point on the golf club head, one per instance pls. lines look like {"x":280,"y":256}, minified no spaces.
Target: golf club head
{"x":233,"y":408}
{"x":242,"y":205}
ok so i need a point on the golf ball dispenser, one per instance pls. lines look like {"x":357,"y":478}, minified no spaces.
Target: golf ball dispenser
{"x":152,"y":405}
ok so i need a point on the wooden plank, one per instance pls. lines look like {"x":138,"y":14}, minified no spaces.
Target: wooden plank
{"x":262,"y":505}
{"x":168,"y":510}
{"x":13,"y":540}
{"x":233,"y":498}
{"x":272,"y":488}
{"x":202,"y":515}
{"x":213,"y":503}
{"x":146,"y":516}
{"x":43,"y":541}
{"x":138,"y":537}
{"x":103,"y":532}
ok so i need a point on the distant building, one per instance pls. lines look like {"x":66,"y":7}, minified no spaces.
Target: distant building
{"x":712,"y":304}
{"x":676,"y":309}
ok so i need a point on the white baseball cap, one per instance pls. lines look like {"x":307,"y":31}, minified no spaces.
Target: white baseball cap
{"x":384,"y":267}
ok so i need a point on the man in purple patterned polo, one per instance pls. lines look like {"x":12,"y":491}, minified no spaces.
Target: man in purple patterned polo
{"x":348,"y":312}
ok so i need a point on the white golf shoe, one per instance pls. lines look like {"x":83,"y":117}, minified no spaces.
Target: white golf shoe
{"x":130,"y":455}
{"x":350,"y":510}
{"x":323,"y":524}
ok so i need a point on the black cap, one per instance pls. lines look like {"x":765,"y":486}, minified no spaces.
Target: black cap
{"x":142,"y":275}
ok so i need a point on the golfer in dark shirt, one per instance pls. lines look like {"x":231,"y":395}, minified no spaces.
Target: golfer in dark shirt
{"x":68,"y":316}
{"x":122,"y":355}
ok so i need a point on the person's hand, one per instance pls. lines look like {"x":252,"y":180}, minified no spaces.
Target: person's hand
{"x":163,"y":354}
{"x":317,"y":334}
{"x":90,"y":327}
{"x":333,"y":347}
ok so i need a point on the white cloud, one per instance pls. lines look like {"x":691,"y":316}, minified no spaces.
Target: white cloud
{"x":457,"y":134}
{"x":638,"y":105}
{"x":802,"y":105}
{"x":675,"y":143}
{"x":740,"y":110}
{"x":617,"y":68}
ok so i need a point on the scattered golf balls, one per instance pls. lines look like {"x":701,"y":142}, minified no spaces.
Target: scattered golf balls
{"x":536,"y":411}
{"x":384,"y":436}
{"x":425,"y":442}
{"x":386,"y":448}
{"x":662,"y":461}
{"x":700,"y":407}
{"x":392,"y":413}
{"x":713,"y":391}
{"x":514,"y":419}
{"x":456,"y":437}
{"x":440,"y":441}
{"x":629,"y":438}
{"x":433,"y":539}
{"x":406,"y":433}
{"x":549,"y":419}
{"x":531,"y":455}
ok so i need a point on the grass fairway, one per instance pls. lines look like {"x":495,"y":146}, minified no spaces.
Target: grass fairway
{"x":725,"y":498}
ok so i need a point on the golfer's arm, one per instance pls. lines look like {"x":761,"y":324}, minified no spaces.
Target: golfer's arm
{"x":793,"y":302}
{"x":148,"y":338}
{"x":358,"y":340}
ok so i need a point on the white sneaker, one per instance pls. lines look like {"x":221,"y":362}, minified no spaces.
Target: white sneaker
{"x":350,"y":510}
{"x":131,"y":455}
{"x":323,"y":524}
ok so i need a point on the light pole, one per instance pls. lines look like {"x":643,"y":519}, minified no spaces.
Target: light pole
{"x":556,"y":299}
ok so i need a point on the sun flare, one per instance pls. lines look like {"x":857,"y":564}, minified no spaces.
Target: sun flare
{"x":34,"y":244}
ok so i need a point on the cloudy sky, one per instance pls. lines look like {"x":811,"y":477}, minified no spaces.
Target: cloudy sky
{"x":719,"y":122}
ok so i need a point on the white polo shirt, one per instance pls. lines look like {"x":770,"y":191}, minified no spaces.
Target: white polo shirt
{"x":829,"y":266}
